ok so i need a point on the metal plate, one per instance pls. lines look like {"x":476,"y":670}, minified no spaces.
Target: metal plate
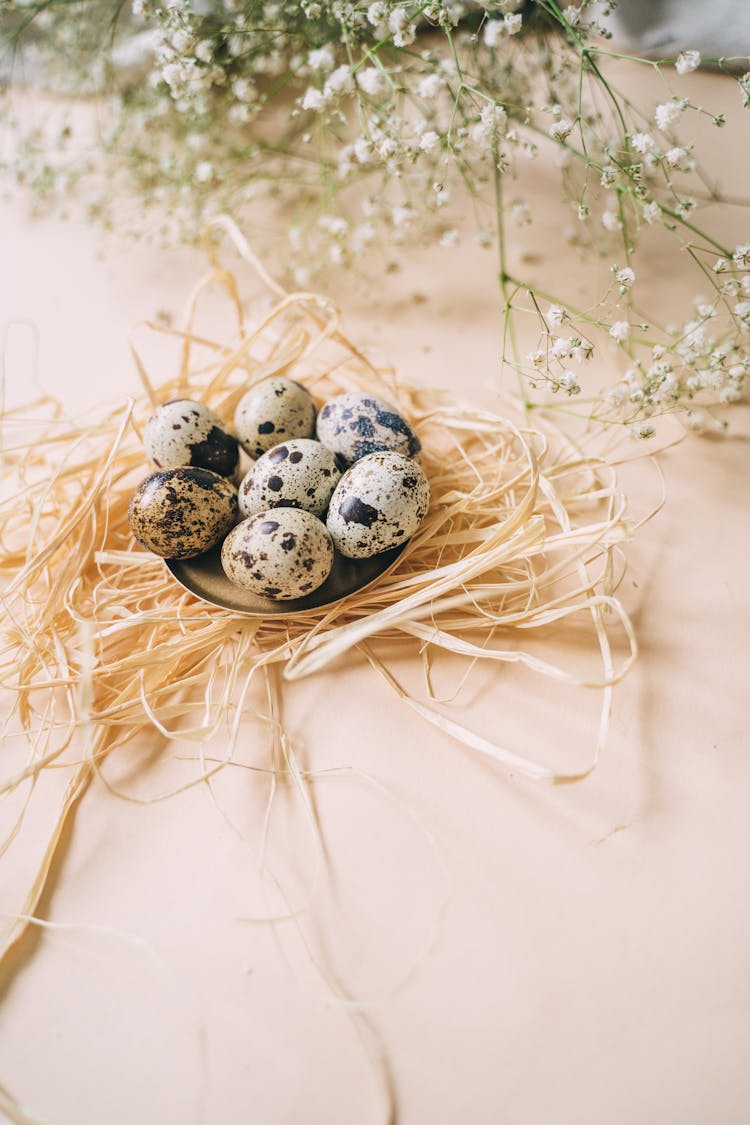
{"x":204,"y":577}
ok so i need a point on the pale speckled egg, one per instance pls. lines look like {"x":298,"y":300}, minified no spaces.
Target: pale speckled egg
{"x":184,"y":432}
{"x":379,"y":503}
{"x":281,"y":554}
{"x":356,"y":424}
{"x":300,"y":473}
{"x":180,"y":513}
{"x":273,"y":411}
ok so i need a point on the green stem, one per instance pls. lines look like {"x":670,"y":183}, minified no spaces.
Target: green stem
{"x":505,"y":281}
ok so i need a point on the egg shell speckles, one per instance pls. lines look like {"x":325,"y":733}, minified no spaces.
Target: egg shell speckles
{"x":356,"y":424}
{"x":184,"y":432}
{"x":281,"y":554}
{"x":300,"y":473}
{"x":379,"y":503}
{"x":273,"y":411}
{"x":180,"y":513}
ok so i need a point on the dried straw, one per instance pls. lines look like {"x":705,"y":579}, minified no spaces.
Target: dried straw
{"x":101,"y":645}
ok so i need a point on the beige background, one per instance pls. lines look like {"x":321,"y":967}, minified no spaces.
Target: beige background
{"x":579,"y":954}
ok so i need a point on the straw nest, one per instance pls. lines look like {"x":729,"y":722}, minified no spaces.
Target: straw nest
{"x":101,"y":645}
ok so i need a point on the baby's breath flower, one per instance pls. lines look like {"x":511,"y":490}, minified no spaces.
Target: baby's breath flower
{"x":742,"y":311}
{"x":609,"y":176}
{"x":449,"y":237}
{"x":624,"y":277}
{"x":568,"y":380}
{"x":562,"y":348}
{"x":372,"y":81}
{"x":611,"y":221}
{"x":244,"y":90}
{"x":376,"y":13}
{"x":561,"y":130}
{"x":402,"y":28}
{"x":675,"y":156}
{"x":492,"y":124}
{"x":620,"y":331}
{"x":429,"y":141}
{"x":493,"y":32}
{"x":181,"y":40}
{"x":643,"y":430}
{"x":643,"y":143}
{"x":362,"y":150}
{"x":667,"y":113}
{"x":512,"y":23}
{"x":430,"y":86}
{"x":339,"y":82}
{"x":556,"y":314}
{"x":322,"y":58}
{"x":651,"y":211}
{"x":204,"y":171}
{"x":687,"y":61}
{"x":741,"y":256}
{"x":313,"y":99}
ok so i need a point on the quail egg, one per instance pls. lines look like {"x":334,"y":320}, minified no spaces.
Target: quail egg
{"x":273,"y":411}
{"x":378,"y":503}
{"x":184,"y":432}
{"x":180,"y":513}
{"x":281,"y":554}
{"x":355,"y":424}
{"x":300,"y":473}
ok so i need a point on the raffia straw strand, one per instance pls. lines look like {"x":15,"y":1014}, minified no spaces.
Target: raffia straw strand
{"x":520,"y":538}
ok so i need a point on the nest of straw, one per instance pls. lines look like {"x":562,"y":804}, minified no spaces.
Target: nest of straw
{"x":101,"y":645}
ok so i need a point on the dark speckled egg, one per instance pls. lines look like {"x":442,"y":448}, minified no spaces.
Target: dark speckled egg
{"x":180,"y":513}
{"x":379,"y":503}
{"x":273,"y":411}
{"x":356,"y":424}
{"x":184,"y":432}
{"x":300,"y":473}
{"x":281,"y":554}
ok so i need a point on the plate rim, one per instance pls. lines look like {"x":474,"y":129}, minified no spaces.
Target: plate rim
{"x":278,"y":608}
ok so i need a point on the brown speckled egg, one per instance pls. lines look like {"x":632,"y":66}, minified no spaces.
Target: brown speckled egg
{"x":356,"y":424}
{"x":183,"y":432}
{"x":180,"y":513}
{"x":379,"y":503}
{"x":281,"y":554}
{"x":273,"y":411}
{"x":300,"y":473}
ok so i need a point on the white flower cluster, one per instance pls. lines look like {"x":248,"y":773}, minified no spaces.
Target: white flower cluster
{"x":376,"y":120}
{"x":706,"y":365}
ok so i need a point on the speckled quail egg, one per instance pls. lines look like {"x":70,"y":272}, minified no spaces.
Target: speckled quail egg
{"x":184,"y":432}
{"x":180,"y":513}
{"x":355,"y":424}
{"x":281,"y":554}
{"x":379,"y":503}
{"x":273,"y":411}
{"x":300,"y":473}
